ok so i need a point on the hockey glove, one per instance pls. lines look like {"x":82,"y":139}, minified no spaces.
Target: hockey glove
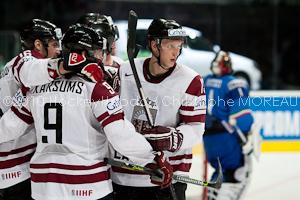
{"x":53,"y":67}
{"x":163,"y":171}
{"x":88,"y":67}
{"x":111,"y":77}
{"x":163,"y":138}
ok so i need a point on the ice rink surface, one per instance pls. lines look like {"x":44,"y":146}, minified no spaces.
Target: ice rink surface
{"x":275,"y":177}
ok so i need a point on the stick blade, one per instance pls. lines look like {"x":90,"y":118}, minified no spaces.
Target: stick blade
{"x":219,"y":180}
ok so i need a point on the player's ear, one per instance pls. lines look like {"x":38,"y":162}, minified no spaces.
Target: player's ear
{"x":38,"y":45}
{"x":154,"y":47}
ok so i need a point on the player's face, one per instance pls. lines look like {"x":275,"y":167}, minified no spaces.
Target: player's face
{"x":113,"y":48}
{"x":53,"y":48}
{"x":169,"y":51}
{"x":98,"y":54}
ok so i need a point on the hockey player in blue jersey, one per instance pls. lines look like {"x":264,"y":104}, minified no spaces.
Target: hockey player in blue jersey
{"x":228,"y":122}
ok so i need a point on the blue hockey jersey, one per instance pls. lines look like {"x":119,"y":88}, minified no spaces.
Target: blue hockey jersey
{"x":227,"y":101}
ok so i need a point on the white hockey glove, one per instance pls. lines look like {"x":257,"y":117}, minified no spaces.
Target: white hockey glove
{"x":111,"y":77}
{"x":163,"y":138}
{"x":53,"y":67}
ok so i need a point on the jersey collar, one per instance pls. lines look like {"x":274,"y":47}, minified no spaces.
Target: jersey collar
{"x":154,"y":79}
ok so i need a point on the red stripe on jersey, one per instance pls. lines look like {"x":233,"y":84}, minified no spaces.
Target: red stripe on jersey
{"x":103,"y":116}
{"x":125,"y":171}
{"x":25,"y":110}
{"x":68,"y":167}
{"x":187,"y":108}
{"x":19,"y":150}
{"x":15,"y":66}
{"x":16,"y":161}
{"x":70,"y":179}
{"x":37,"y":54}
{"x":180,"y":157}
{"x":195,"y":87}
{"x":17,"y":76}
{"x":195,"y":118}
{"x":112,"y":118}
{"x":184,"y":167}
{"x":26,"y":118}
{"x":102,"y":91}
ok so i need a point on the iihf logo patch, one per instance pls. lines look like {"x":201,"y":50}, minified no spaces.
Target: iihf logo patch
{"x":75,"y":59}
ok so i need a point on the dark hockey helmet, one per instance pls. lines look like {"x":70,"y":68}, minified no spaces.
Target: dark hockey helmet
{"x":103,"y":25}
{"x":88,"y":18}
{"x":38,"y":29}
{"x":165,"y":29}
{"x":80,"y":38}
{"x":221,"y":64}
{"x":105,"y":28}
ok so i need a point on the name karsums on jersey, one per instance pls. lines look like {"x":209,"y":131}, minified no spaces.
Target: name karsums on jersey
{"x":60,"y":86}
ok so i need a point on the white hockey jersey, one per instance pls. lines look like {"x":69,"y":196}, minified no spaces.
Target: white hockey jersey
{"x":15,"y":154}
{"x":177,"y":99}
{"x":69,"y":115}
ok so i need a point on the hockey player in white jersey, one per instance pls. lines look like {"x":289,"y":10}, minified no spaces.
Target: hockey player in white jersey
{"x":105,"y":27}
{"x":75,"y":121}
{"x":40,"y":39}
{"x":176,"y":99}
{"x":228,"y":122}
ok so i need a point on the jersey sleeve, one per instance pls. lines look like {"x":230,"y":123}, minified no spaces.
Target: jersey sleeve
{"x":120,"y":133}
{"x":17,"y":119}
{"x":30,"y":71}
{"x":238,"y":103}
{"x":192,"y":113}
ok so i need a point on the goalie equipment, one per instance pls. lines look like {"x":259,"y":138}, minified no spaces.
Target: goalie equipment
{"x":221,"y":64}
{"x":163,"y":138}
{"x":235,"y":183}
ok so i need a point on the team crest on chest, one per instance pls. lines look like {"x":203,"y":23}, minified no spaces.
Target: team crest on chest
{"x":139,"y":119}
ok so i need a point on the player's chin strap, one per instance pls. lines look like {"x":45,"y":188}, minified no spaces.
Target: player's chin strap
{"x":184,"y":179}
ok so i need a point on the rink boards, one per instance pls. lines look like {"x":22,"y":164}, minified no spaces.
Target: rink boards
{"x":277,"y":117}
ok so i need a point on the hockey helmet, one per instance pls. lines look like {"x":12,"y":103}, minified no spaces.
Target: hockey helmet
{"x":165,"y":29}
{"x":80,"y":38}
{"x":105,"y":27}
{"x":88,"y":18}
{"x":38,"y":29}
{"x":221,"y":64}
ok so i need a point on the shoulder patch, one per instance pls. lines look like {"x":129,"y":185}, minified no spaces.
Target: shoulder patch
{"x":102,"y":91}
{"x":196,"y":86}
{"x":237,"y":83}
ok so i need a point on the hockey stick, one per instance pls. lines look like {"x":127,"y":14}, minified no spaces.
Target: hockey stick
{"x":184,"y":179}
{"x":131,"y":52}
